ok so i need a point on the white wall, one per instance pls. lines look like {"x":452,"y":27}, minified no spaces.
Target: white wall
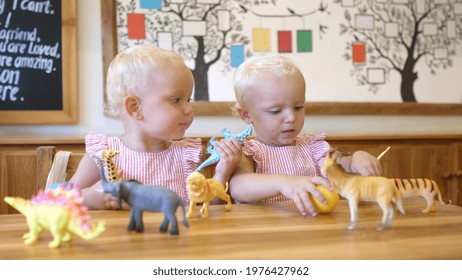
{"x":90,"y":91}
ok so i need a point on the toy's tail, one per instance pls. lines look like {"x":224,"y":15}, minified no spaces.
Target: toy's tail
{"x":17,"y":203}
{"x":92,"y":233}
{"x":210,"y":160}
{"x":185,"y":220}
{"x":438,"y":193}
{"x":101,"y":169}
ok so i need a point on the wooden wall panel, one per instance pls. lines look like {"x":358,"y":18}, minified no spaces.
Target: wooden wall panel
{"x":437,"y":157}
{"x":17,"y":176}
{"x":455,"y":175}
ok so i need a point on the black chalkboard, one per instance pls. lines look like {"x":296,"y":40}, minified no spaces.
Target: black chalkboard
{"x":30,"y":55}
{"x":38,"y":64}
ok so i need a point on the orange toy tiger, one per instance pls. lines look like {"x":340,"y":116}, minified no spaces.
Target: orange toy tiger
{"x":356,"y":188}
{"x":423,"y":187}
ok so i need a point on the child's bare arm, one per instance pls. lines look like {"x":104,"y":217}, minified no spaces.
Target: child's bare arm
{"x":87,"y":173}
{"x":87,"y":178}
{"x":94,"y":198}
{"x":247,"y":186}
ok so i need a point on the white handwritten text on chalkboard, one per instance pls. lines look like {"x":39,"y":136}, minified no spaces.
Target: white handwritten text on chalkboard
{"x":30,"y":55}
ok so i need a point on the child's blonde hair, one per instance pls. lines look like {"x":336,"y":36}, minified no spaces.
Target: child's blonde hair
{"x":129,"y":70}
{"x":251,"y":69}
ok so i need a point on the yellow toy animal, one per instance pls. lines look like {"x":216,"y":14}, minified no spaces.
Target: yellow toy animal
{"x":423,"y":187}
{"x":58,"y":211}
{"x":112,"y":174}
{"x":356,"y":188}
{"x":203,"y":190}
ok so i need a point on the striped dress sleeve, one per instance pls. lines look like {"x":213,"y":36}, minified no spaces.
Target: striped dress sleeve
{"x":252,"y":150}
{"x":192,"y":152}
{"x":319,"y":148}
{"x":95,"y":143}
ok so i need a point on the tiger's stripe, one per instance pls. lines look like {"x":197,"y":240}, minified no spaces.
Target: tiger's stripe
{"x":424,"y":187}
{"x":409,"y":185}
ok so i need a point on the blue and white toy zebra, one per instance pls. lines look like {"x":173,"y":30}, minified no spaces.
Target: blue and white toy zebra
{"x":214,"y":155}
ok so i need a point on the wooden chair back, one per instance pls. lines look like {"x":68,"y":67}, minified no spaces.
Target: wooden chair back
{"x":45,"y":156}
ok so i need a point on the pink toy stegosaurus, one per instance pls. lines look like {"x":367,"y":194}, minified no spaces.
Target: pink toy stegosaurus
{"x":65,"y":195}
{"x":59,"y":211}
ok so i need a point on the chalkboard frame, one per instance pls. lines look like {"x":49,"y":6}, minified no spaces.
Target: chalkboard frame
{"x":68,"y":114}
{"x":110,"y":49}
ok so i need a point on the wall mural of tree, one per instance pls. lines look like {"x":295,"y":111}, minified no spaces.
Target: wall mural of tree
{"x":202,"y":31}
{"x":396,"y":35}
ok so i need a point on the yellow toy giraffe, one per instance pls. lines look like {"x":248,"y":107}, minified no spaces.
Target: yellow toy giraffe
{"x":109,"y":166}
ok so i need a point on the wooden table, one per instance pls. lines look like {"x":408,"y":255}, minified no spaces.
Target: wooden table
{"x":257,"y":232}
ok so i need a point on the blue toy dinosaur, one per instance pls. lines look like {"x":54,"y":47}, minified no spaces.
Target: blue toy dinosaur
{"x":214,"y":155}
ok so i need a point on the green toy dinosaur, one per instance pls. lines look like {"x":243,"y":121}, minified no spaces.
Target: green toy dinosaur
{"x":58,"y":211}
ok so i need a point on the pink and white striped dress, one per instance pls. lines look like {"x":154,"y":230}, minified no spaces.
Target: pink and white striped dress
{"x":305,"y":158}
{"x":169,"y":168}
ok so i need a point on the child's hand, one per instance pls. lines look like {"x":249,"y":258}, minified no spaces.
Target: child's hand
{"x":109,"y":202}
{"x":112,"y":203}
{"x":365,"y":164}
{"x":230,"y":151}
{"x":230,"y":156}
{"x":299,"y":192}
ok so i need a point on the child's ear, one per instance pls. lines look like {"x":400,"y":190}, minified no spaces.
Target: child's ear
{"x":245,"y":116}
{"x":133,"y":107}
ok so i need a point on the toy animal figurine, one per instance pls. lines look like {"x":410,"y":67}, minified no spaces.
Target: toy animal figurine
{"x":109,"y":166}
{"x":356,"y":188}
{"x":214,"y":155}
{"x":58,"y":211}
{"x":203,"y":190}
{"x":145,"y":198}
{"x":423,"y":187}
{"x":240,"y":136}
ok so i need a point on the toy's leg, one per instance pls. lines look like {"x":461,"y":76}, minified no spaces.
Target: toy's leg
{"x":387,"y":216}
{"x":132,"y":222}
{"x":384,"y":208}
{"x":433,"y":208}
{"x":34,"y":231}
{"x":391,"y":216}
{"x":431,"y":205}
{"x":67,"y":236}
{"x":228,"y":204}
{"x":164,"y":225}
{"x":205,"y":210}
{"x":353,"y":213}
{"x":191,"y":209}
{"x":202,"y":208}
{"x":56,"y":233}
{"x":27,"y":234}
{"x":174,"y":229}
{"x":136,"y":221}
{"x":225,"y":197}
{"x":139,"y":221}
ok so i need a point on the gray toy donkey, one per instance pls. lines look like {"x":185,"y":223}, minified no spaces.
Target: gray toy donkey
{"x":145,"y":198}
